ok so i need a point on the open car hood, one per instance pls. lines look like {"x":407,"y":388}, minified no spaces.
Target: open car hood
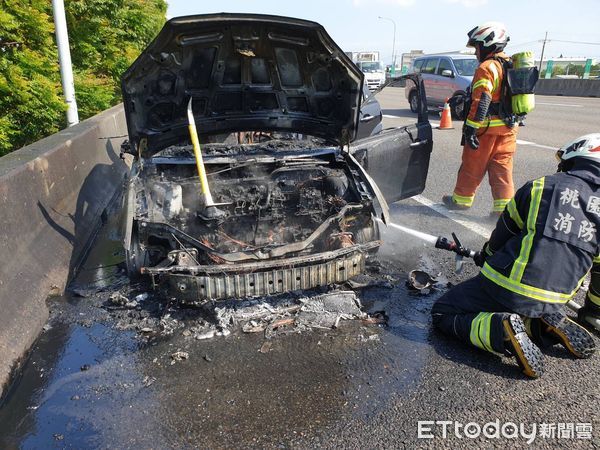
{"x":245,"y":72}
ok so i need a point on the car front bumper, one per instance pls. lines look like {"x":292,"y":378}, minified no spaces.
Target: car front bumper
{"x":200,"y":284}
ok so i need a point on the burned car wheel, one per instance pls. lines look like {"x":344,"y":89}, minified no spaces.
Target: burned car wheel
{"x":135,"y":258}
{"x":413,"y":101}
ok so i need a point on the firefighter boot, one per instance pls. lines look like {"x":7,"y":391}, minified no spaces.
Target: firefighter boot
{"x":576,"y":339}
{"x":517,"y":343}
{"x":450,"y":203}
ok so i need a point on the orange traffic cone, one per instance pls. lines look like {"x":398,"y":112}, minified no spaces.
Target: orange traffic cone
{"x":446,"y":121}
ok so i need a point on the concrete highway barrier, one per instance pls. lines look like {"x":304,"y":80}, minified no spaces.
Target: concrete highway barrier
{"x":52,"y":196}
{"x":574,"y":88}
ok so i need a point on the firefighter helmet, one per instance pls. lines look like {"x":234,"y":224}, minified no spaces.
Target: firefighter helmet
{"x":587,"y":146}
{"x":490,"y":36}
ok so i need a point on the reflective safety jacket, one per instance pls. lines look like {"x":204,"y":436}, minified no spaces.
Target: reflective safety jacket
{"x":545,"y":241}
{"x":485,"y":97}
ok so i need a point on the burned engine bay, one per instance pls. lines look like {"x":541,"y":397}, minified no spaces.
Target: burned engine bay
{"x":284,"y":218}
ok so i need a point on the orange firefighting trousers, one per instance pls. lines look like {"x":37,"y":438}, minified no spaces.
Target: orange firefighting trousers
{"x":494,"y":156}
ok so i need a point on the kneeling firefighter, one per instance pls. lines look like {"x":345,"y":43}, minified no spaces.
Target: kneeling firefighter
{"x":489,"y":131}
{"x":543,"y":246}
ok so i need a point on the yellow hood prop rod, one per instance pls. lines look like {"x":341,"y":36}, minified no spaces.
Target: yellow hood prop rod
{"x":210,"y":207}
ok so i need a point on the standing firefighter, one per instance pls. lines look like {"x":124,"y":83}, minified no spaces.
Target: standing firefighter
{"x":490,"y":137}
{"x":544,"y":244}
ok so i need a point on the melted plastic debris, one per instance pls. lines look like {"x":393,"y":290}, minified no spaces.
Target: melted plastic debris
{"x":326,"y":311}
{"x":273,"y":316}
{"x":367,"y":281}
{"x":420,"y":280}
{"x":152,"y":319}
{"x":236,"y":313}
{"x":119,"y":299}
{"x":179,"y":356}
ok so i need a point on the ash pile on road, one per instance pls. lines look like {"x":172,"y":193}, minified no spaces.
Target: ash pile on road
{"x":323,"y":311}
{"x":151,"y":317}
{"x":370,"y":298}
{"x":135,"y":307}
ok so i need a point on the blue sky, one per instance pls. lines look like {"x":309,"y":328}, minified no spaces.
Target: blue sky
{"x":433,"y":25}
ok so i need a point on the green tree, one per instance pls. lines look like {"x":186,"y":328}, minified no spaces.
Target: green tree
{"x":575,"y":69}
{"x":30,"y":103}
{"x":558,"y":70}
{"x":105,"y":36}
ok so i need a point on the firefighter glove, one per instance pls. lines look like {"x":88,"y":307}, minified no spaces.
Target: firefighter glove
{"x":480,"y":256}
{"x":470,"y":135}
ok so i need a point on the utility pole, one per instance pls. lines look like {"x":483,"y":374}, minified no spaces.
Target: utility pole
{"x":543,"y":47}
{"x":393,"y":71}
{"x":64,"y":60}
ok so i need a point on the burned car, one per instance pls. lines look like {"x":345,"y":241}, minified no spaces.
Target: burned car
{"x":247,"y":178}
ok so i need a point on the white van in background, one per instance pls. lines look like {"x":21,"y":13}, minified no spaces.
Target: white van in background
{"x":444,"y":76}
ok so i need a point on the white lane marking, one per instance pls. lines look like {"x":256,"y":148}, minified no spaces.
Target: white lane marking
{"x":520,"y":142}
{"x":560,"y":104}
{"x":389,"y":116}
{"x":441,"y":209}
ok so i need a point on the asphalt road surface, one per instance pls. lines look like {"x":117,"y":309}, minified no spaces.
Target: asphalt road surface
{"x":555,"y":121}
{"x":96,"y":379}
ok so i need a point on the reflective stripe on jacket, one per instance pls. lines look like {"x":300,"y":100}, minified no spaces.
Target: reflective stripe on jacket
{"x":487,"y":80}
{"x":546,"y":239}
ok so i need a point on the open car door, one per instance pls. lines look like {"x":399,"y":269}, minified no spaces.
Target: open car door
{"x":398,"y":159}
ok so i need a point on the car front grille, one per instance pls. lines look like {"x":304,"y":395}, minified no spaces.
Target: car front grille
{"x":201,"y":288}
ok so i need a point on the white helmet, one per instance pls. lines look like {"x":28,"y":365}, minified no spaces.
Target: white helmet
{"x":587,"y":146}
{"x":491,"y":35}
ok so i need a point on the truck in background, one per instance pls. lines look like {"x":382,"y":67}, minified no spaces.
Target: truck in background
{"x":371,"y":66}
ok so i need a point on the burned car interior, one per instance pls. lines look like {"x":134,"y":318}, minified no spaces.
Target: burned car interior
{"x":260,"y":188}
